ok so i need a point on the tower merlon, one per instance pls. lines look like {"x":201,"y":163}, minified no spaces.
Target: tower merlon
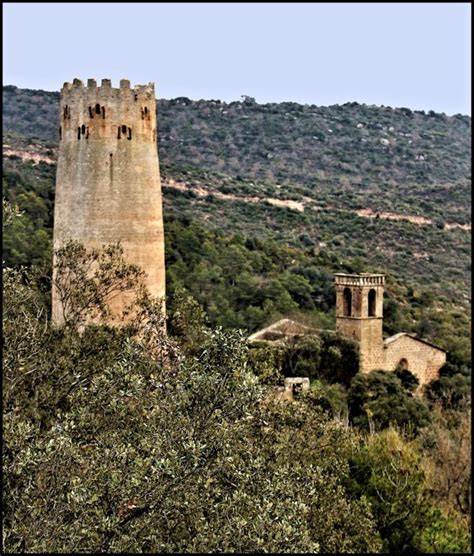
{"x":146,"y":92}
{"x":76,"y":92}
{"x":106,"y":85}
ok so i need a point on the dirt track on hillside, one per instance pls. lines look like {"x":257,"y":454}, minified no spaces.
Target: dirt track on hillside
{"x":299,"y":206}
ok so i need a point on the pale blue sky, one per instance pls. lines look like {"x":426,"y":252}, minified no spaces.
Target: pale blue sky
{"x":395,"y":54}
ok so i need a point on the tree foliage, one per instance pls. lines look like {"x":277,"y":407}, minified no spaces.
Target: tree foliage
{"x":388,"y":470}
{"x":86,"y":281}
{"x":378,"y":399}
{"x":116,"y":440}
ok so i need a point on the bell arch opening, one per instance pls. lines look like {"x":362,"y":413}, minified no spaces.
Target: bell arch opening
{"x":347,"y":302}
{"x":372,"y":299}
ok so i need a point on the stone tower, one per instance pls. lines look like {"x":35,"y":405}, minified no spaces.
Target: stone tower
{"x":108,"y":181}
{"x":359,"y":315}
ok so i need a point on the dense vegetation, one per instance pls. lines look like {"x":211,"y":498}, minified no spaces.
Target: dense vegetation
{"x":118,"y":441}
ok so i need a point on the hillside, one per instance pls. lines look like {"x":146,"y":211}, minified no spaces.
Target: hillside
{"x":302,"y":197}
{"x":353,"y":156}
{"x":129,"y":439}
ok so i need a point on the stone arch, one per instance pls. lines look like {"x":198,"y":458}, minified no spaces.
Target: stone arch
{"x":403,"y":364}
{"x":372,"y":301}
{"x":347,"y":302}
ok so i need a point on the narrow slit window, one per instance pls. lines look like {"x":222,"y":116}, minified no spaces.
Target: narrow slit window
{"x":103,"y":111}
{"x":91,"y":114}
{"x":78,"y":132}
{"x":87,"y":132}
{"x":83,"y":129}
{"x":118,"y":133}
{"x":124,"y":129}
{"x":60,"y":133}
{"x":97,"y":108}
{"x":129,"y":133}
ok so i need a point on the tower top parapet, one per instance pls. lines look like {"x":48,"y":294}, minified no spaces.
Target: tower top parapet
{"x":105,"y":89}
{"x":363,"y":279}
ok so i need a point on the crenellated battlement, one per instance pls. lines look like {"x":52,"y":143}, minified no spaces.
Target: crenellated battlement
{"x":100,"y":111}
{"x":76,"y":89}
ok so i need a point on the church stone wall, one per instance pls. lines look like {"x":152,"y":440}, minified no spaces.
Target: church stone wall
{"x":423,"y":360}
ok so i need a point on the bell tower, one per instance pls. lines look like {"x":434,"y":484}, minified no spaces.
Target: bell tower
{"x":359,"y":315}
{"x":108,"y":180}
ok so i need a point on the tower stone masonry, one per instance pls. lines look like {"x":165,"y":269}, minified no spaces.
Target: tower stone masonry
{"x":359,"y":315}
{"x":108,"y":186}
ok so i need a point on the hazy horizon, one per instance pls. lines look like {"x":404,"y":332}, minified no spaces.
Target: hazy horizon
{"x":398,"y":55}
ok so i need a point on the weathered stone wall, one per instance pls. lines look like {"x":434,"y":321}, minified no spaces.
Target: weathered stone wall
{"x":368,"y":332}
{"x":371,"y":356}
{"x":359,"y":326}
{"x":108,"y":182}
{"x":423,"y":360}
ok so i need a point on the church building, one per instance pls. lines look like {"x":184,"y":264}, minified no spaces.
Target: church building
{"x":359,"y":316}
